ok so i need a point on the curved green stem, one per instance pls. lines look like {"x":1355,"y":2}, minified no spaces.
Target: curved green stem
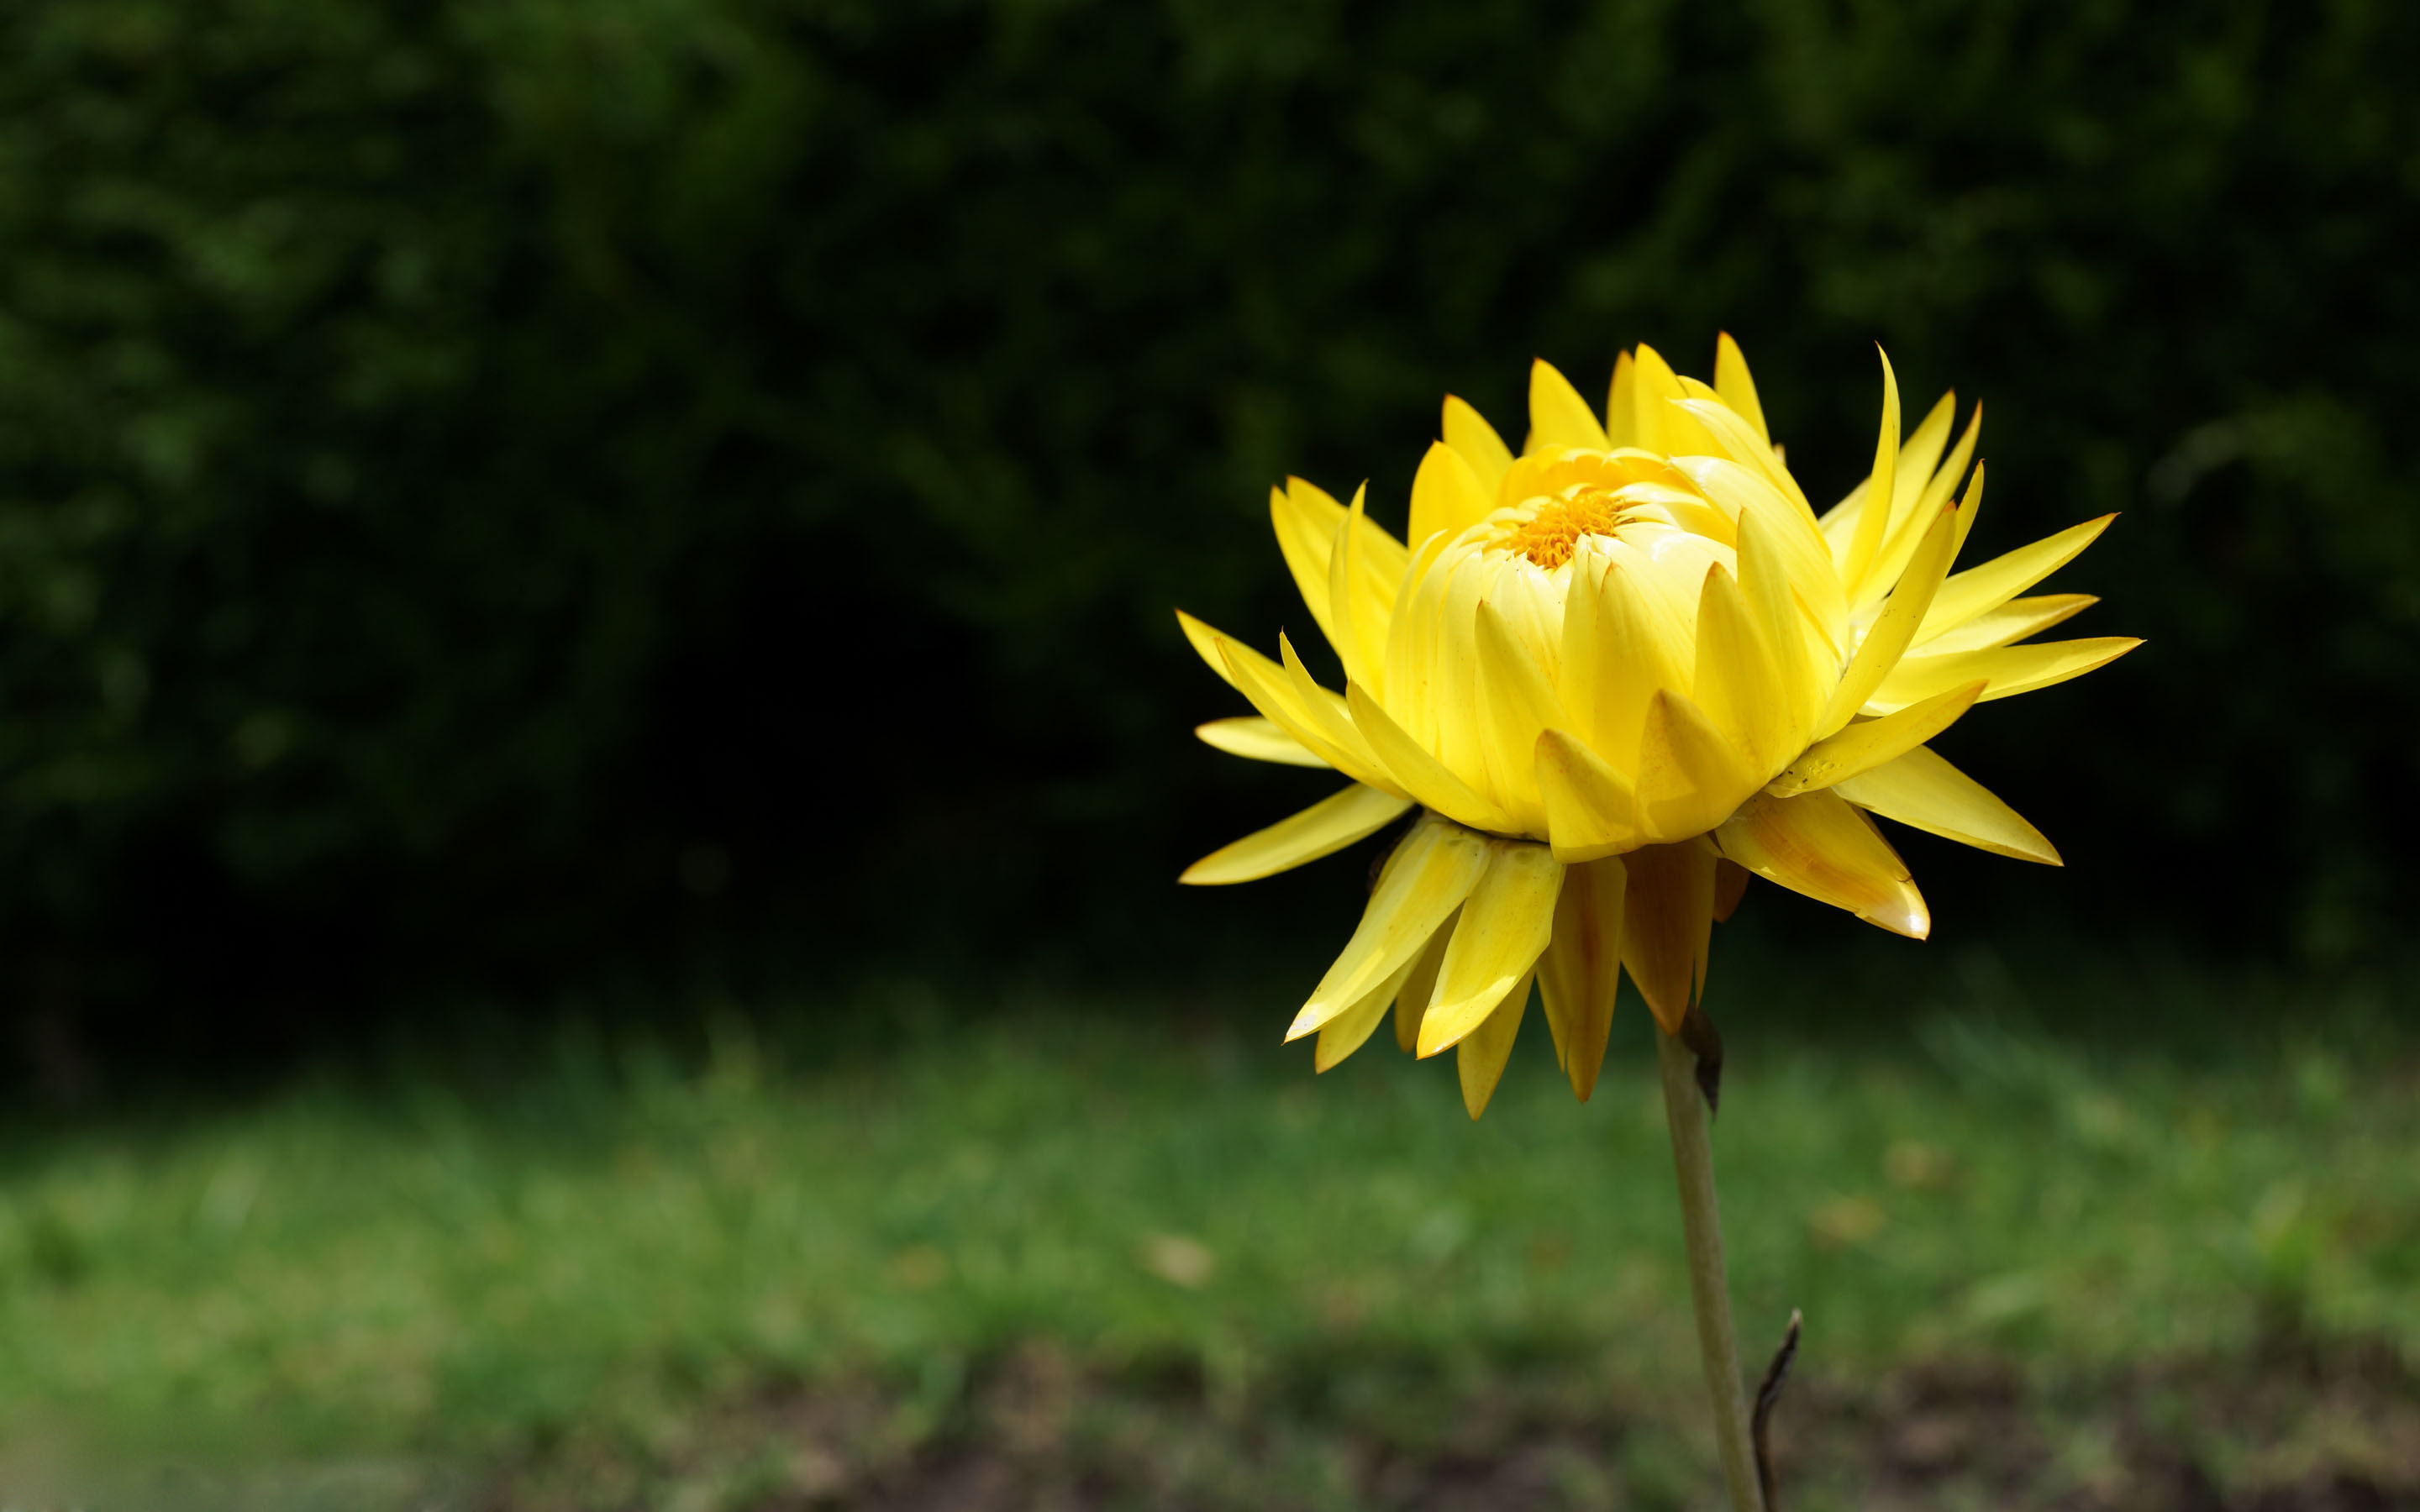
{"x":1702,"y":1227}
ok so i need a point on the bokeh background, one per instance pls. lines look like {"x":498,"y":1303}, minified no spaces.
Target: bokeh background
{"x":575,"y":511}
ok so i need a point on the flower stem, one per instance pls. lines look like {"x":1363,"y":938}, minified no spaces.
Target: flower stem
{"x":1702,"y":1227}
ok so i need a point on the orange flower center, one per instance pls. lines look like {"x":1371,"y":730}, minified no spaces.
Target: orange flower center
{"x":1551,"y":533}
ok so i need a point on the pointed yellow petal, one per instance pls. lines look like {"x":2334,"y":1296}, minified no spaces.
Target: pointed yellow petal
{"x":1921,"y":494}
{"x":1668,"y":924}
{"x":1516,"y":702}
{"x":1422,"y":775}
{"x":1887,"y":640}
{"x":1446,"y":495}
{"x":1736,"y":683}
{"x":1635,"y":636}
{"x":1255,"y":739}
{"x":1782,"y":627}
{"x":1420,"y":985}
{"x":1979,"y":590}
{"x":1622,"y":403}
{"x":1874,"y":520}
{"x":1863,"y":747}
{"x":1690,"y":777}
{"x":1738,"y":389}
{"x":1468,"y":432}
{"x":1818,"y":845}
{"x":1479,"y":1056}
{"x":1592,"y":808}
{"x":1360,"y":634}
{"x":1322,"y":829}
{"x":1744,"y":448}
{"x":1557,"y":415}
{"x":2007,"y":670}
{"x":1305,"y":518}
{"x":1204,"y":642}
{"x":1326,"y":716}
{"x":1347,"y":1031}
{"x":1924,"y":791}
{"x":1504,"y":929}
{"x":1306,"y":522}
{"x":1302,"y":712}
{"x":2012,"y":620}
{"x":1798,"y":546}
{"x":1582,"y":966}
{"x":1426,"y":880}
{"x":1912,"y":474}
{"x":1664,"y":425}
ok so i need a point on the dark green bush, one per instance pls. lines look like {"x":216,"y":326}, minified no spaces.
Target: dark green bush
{"x":475,"y":479}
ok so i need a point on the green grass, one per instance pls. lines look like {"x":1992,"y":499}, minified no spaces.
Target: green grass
{"x":456,"y":1267}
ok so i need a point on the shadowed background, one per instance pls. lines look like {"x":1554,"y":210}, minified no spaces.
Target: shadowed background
{"x":506,"y":491}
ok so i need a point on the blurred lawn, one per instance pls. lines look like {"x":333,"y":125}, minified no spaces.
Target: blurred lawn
{"x":456,"y":1268}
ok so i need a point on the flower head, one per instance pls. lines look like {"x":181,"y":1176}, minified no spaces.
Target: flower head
{"x":1617,"y":675}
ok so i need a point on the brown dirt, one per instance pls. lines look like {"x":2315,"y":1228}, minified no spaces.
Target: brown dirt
{"x":2298,"y":1431}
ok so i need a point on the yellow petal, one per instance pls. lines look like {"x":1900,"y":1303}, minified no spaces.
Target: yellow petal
{"x":2006,"y":670}
{"x":1667,"y":925}
{"x":1690,"y":777}
{"x":1636,"y":634}
{"x":1504,"y":929}
{"x":1411,"y":636}
{"x":1468,"y":432}
{"x":1921,"y":494}
{"x":1880,"y":485}
{"x":1360,"y":618}
{"x":1912,"y":474}
{"x":1864,"y":746}
{"x":1804,"y":558}
{"x":1204,"y":642}
{"x":1622,"y":403}
{"x":1479,"y":1056}
{"x":1422,"y":775}
{"x":1518,"y":703}
{"x":1744,"y":448}
{"x":1664,"y":425}
{"x":1425,"y":881}
{"x":1329,"y":720}
{"x":2012,"y":620}
{"x":1255,"y":739}
{"x":1735,"y":682}
{"x":1306,"y":521}
{"x":1592,"y":808}
{"x":1979,"y":590}
{"x":1818,"y":845}
{"x":1322,"y":829}
{"x":1781,"y":625}
{"x":1738,"y":389}
{"x":1924,"y":791}
{"x":1557,"y":415}
{"x":1305,"y":712}
{"x":1451,"y":685}
{"x":1347,"y":1031}
{"x":1447,"y":494}
{"x":1420,"y":985}
{"x":1889,"y":638}
{"x":1582,"y":966}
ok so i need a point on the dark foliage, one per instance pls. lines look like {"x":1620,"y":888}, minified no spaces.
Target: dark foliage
{"x":496,"y":484}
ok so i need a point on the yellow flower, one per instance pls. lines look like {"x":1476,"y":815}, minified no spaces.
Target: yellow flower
{"x":1617,"y":675}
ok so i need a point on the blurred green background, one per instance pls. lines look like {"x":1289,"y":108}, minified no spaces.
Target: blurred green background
{"x":542,"y":513}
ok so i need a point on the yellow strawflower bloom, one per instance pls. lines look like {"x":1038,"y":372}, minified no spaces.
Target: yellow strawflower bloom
{"x":1617,"y":673}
